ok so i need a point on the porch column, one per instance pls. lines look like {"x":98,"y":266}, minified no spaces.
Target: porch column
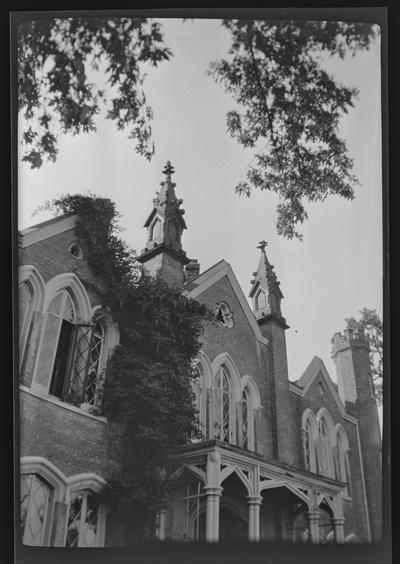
{"x":254,"y":502}
{"x":313,"y":517}
{"x":338,"y":527}
{"x":161,"y":525}
{"x":212,"y":512}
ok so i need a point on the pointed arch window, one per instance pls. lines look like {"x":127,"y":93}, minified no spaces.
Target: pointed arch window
{"x":261,"y":300}
{"x":25,"y":307}
{"x":325,"y":460}
{"x":69,"y":364}
{"x":222,"y":406}
{"x":343,"y":465}
{"x":310,"y":438}
{"x":308,"y":446}
{"x":245,"y":418}
{"x":197,"y":388}
{"x":155,"y":230}
{"x":36,"y":497}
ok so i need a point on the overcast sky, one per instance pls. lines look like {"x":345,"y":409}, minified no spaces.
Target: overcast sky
{"x":331,"y":275}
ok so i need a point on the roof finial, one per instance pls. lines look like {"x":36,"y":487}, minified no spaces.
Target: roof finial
{"x":168,"y":170}
{"x":262,"y":245}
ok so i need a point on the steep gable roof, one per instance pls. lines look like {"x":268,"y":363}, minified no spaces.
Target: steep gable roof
{"x":302,"y":385}
{"x":46,"y":229}
{"x":212,"y":275}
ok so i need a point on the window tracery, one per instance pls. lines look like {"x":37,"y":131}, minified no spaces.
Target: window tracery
{"x":245,"y":418}
{"x":222,"y":406}
{"x":224,"y":314}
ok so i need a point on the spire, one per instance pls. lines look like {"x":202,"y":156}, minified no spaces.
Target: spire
{"x":265,"y":291}
{"x":165,"y":226}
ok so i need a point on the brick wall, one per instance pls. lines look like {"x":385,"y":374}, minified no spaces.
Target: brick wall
{"x":318,"y":395}
{"x":74,"y":442}
{"x":250,"y":356}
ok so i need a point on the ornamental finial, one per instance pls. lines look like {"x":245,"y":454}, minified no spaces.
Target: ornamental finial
{"x":262,"y":245}
{"x":168,"y":170}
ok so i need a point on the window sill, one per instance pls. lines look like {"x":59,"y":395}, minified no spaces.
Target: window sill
{"x":56,"y":401}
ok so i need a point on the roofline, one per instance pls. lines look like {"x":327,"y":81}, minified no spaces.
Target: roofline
{"x":46,"y":229}
{"x":215,"y":273}
{"x":310,"y":373}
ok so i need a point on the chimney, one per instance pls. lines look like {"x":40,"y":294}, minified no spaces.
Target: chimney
{"x":192,"y":270}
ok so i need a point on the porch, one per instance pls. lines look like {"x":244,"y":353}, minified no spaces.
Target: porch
{"x":220,"y":492}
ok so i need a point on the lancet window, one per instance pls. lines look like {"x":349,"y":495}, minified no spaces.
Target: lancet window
{"x":34,"y":509}
{"x":70,"y":357}
{"x":245,"y":418}
{"x":25,"y":306}
{"x":222,"y":406}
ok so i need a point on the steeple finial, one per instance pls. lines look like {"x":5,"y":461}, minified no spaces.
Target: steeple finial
{"x":168,"y":170}
{"x":262,"y":245}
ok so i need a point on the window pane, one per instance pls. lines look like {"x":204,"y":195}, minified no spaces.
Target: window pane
{"x":89,"y":527}
{"x":245,"y":419}
{"x":74,"y":520}
{"x":82,"y":521}
{"x":34,"y":507}
{"x":48,"y":349}
{"x":26,"y":483}
{"x":94,"y":364}
{"x":225,"y":407}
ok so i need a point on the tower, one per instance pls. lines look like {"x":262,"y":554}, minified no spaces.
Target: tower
{"x":163,"y":255}
{"x":350,"y":353}
{"x":266,"y":297}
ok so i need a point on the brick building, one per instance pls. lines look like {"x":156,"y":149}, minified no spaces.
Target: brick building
{"x":295,"y":461}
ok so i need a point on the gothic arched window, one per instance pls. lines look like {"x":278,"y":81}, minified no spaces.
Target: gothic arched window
{"x":69,"y":364}
{"x":34,"y":509}
{"x":82,"y":526}
{"x":343,"y":466}
{"x":25,"y":306}
{"x":155,"y":230}
{"x":222,"y":406}
{"x":310,"y":438}
{"x":325,"y":460}
{"x":245,"y":418}
{"x":261,"y":300}
{"x":197,"y":389}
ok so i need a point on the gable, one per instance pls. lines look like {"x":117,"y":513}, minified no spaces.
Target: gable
{"x":314,"y":376}
{"x":212,"y":285}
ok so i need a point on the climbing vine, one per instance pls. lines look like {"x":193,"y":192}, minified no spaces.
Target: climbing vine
{"x":148,"y":397}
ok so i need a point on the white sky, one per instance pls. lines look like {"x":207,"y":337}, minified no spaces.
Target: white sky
{"x":331,"y":275}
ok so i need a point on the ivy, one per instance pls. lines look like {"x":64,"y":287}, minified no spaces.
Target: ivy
{"x":148,"y":397}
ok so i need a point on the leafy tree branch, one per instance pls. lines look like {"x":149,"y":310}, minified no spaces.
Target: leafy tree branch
{"x":371,"y":325}
{"x":58,"y":60}
{"x":289,"y":104}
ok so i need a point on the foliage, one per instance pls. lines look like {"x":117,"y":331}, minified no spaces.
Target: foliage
{"x":148,"y":393}
{"x":289,"y":109}
{"x":57,"y":62}
{"x":109,"y":255}
{"x":370,"y":324}
{"x":148,"y":396}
